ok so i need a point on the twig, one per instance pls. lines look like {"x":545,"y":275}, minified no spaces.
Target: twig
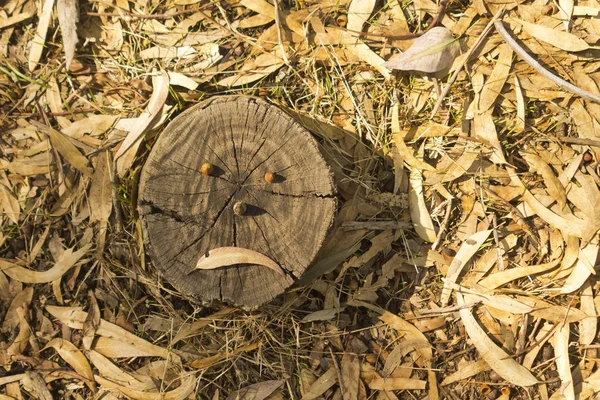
{"x":472,"y":50}
{"x":581,"y":141}
{"x":279,"y":34}
{"x":539,"y":68}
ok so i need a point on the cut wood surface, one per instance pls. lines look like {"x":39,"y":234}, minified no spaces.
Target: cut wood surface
{"x":187,"y":212}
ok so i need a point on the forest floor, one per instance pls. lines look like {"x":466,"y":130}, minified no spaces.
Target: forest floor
{"x":462,"y":263}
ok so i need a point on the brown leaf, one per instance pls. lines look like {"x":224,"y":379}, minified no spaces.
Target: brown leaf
{"x":26,"y":275}
{"x":75,"y":358}
{"x":350,"y":376}
{"x":257,"y":391}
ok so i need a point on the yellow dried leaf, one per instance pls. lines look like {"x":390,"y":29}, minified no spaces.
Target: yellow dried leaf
{"x":185,"y":389}
{"x":553,"y":185}
{"x":419,"y":214}
{"x":68,"y":259}
{"x":493,"y":86}
{"x":260,"y":6}
{"x":583,"y":269}
{"x":493,"y":355}
{"x":359,"y":12}
{"x":74,"y":318}
{"x":501,"y":278}
{"x":227,"y":256}
{"x":485,"y":129}
{"x":160,"y":92}
{"x":465,"y":371}
{"x":39,"y":40}
{"x":588,"y":326}
{"x":466,"y":251}
{"x":560,"y":342}
{"x":390,"y":384}
{"x":116,"y":374}
{"x":563,"y":40}
{"x":75,"y":358}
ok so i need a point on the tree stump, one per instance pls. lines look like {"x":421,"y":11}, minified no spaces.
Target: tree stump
{"x":235,"y":171}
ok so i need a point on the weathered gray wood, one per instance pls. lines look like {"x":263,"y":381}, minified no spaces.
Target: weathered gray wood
{"x":186,"y":213}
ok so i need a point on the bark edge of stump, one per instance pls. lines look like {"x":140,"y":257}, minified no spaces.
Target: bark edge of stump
{"x":187,"y":210}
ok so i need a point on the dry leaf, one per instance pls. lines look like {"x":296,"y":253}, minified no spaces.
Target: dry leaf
{"x":202,"y":363}
{"x":21,"y":301}
{"x":100,"y":197}
{"x":405,"y":152}
{"x":566,"y":8}
{"x":188,"y":329}
{"x":67,"y":149}
{"x":563,"y":40}
{"x":75,"y":358}
{"x":485,"y":129}
{"x":493,"y":86}
{"x":419,"y":214}
{"x":588,"y":326}
{"x":467,"y":250}
{"x":39,"y":40}
{"x":160,"y":85}
{"x":560,"y":342}
{"x":554,"y":186}
{"x":321,"y":385}
{"x":257,"y":391}
{"x":350,"y":377}
{"x":9,"y":204}
{"x":397,"y":384}
{"x":493,"y":355}
{"x":359,"y":12}
{"x":68,"y":17}
{"x":34,"y":383}
{"x":185,"y":389}
{"x":432,"y":52}
{"x":583,"y":269}
{"x":465,"y":371}
{"x":117,"y":375}
{"x":68,"y":260}
{"x":75,"y":318}
{"x":226,"y":256}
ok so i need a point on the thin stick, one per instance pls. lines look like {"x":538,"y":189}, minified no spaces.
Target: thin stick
{"x":581,"y":141}
{"x":472,"y":50}
{"x":279,"y":34}
{"x":539,"y":68}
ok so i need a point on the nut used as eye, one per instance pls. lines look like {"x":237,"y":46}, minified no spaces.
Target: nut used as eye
{"x":239,"y":208}
{"x":207,"y":169}
{"x":270,"y":177}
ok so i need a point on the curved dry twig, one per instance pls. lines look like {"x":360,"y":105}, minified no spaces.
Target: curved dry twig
{"x":539,"y":68}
